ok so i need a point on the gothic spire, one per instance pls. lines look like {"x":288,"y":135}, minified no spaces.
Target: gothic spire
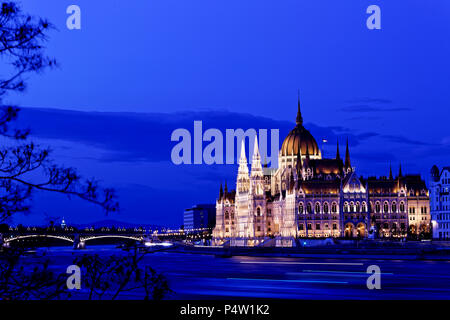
{"x":243,"y":168}
{"x":299,"y":119}
{"x":400,"y":175}
{"x":221,"y":192}
{"x":256,"y":160}
{"x":226,"y":189}
{"x":390,"y":172}
{"x":299,"y":164}
{"x":265,"y":165}
{"x":338,"y":156}
{"x":347,"y":157}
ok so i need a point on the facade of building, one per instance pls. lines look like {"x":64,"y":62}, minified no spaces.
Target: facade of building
{"x":308,"y":196}
{"x":200,"y":216}
{"x":440,"y":202}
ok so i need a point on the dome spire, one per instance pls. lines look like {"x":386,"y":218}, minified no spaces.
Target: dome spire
{"x":299,"y":119}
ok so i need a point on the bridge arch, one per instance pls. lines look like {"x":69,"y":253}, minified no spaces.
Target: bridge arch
{"x":84,"y":239}
{"x":38,"y":236}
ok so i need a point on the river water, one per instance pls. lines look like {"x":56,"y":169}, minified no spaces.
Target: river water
{"x":200,"y":276}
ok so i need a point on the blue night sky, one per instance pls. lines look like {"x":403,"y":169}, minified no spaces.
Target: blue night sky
{"x":138,"y":70}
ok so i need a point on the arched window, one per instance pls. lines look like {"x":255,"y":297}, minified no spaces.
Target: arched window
{"x":364,"y":207}
{"x":345,"y":207}
{"x":325,"y":207}
{"x":334,"y":207}
{"x":300,"y":208}
{"x":402,"y":207}
{"x":386,"y":207}
{"x":227,"y":215}
{"x":309,"y":207}
{"x":377,"y":207}
{"x":232,"y":215}
{"x":358,"y":207}
{"x":258,"y":212}
{"x":317,"y":209}
{"x":394,"y":207}
{"x":352,"y":207}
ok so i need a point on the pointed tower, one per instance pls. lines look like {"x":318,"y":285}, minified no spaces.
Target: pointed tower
{"x":307,"y":153}
{"x":338,"y":156}
{"x":226,"y":190}
{"x":265,"y":165}
{"x":400,"y":175}
{"x":347,"y":163}
{"x":299,"y":166}
{"x":299,"y":119}
{"x":306,"y":162}
{"x":221,"y":192}
{"x":242,"y":183}
{"x":256,"y":161}
{"x":390,"y":172}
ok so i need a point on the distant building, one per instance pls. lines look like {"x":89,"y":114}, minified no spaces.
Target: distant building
{"x":440,"y":202}
{"x":200,"y":216}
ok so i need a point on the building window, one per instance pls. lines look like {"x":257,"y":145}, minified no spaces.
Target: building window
{"x":325,"y":207}
{"x":309,"y":226}
{"x":394,"y":207}
{"x":364,"y":207}
{"x":377,"y":207}
{"x":334,"y":226}
{"x":300,"y":207}
{"x":317,"y":208}
{"x":352,"y":207}
{"x":258,"y":228}
{"x":358,"y":207}
{"x":258,"y":211}
{"x":317,"y":226}
{"x":309,"y":207}
{"x":386,"y":207}
{"x":345,"y":207}
{"x":402,"y":207}
{"x":300,"y":227}
{"x":334,"y":207}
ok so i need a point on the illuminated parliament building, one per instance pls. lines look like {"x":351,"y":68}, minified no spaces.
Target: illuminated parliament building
{"x":308,"y":196}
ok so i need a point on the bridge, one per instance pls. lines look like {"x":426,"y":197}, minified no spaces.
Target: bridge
{"x":79,"y":239}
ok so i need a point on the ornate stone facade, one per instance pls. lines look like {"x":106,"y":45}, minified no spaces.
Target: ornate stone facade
{"x":311,"y":197}
{"x":440,"y":202}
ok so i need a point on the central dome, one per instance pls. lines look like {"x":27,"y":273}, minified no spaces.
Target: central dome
{"x":300,"y":139}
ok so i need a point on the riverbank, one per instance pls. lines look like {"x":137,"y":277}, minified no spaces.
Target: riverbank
{"x":409,"y":251}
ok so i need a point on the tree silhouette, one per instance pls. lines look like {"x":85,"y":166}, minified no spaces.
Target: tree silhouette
{"x":24,"y":166}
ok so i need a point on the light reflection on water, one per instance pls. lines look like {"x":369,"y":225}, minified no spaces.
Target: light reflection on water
{"x":199,"y":276}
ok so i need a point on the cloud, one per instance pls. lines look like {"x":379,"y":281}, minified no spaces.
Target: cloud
{"x":132,"y":137}
{"x":370,"y":100}
{"x":370,"y":105}
{"x":405,"y":140}
{"x":366,"y":108}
